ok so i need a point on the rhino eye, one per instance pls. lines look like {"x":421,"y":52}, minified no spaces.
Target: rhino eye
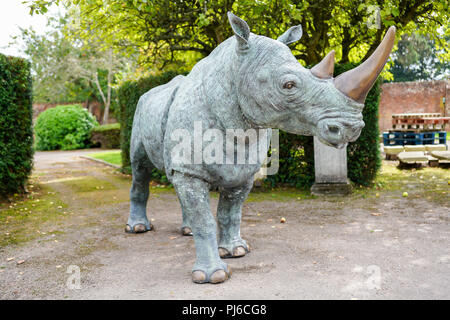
{"x":289,"y":85}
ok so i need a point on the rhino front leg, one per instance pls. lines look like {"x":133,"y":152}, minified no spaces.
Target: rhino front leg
{"x":229,"y":214}
{"x":193,"y":194}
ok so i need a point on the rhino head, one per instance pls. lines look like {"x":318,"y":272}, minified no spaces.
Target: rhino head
{"x":275,"y":91}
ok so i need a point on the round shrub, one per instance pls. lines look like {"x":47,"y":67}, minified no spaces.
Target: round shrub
{"x":64,"y":127}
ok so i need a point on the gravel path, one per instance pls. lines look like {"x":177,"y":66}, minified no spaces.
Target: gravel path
{"x":359,"y":247}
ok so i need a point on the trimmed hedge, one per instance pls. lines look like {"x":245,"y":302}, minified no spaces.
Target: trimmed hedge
{"x":128,"y":96}
{"x":363,"y":155}
{"x":296,"y":162}
{"x":16,"y":133}
{"x":65,"y":127}
{"x":107,"y":135}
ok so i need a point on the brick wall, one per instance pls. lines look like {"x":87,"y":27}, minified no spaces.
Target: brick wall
{"x":412,"y":97}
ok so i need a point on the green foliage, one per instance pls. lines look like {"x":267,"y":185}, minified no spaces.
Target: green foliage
{"x":363,"y":155}
{"x":108,"y":135}
{"x":67,"y":70}
{"x":50,"y":57}
{"x":163,"y":30}
{"x":296,"y":161}
{"x":417,"y":58}
{"x":16,"y":135}
{"x":128,"y":95}
{"x":65,"y":127}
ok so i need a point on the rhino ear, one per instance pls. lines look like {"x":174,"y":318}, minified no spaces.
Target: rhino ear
{"x":240,"y":29}
{"x":292,"y":35}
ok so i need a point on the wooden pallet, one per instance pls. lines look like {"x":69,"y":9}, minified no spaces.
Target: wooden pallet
{"x":400,"y":138}
{"x":418,"y":127}
{"x":419,"y":122}
{"x":416,"y":115}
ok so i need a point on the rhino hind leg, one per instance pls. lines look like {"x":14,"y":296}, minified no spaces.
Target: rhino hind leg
{"x":229,"y":215}
{"x":141,"y":169}
{"x":193,"y":194}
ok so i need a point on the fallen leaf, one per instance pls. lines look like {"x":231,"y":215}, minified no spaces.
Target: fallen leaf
{"x":10,"y":259}
{"x":376,"y":214}
{"x":20,"y":261}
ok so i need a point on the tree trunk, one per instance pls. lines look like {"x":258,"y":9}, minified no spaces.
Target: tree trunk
{"x":108,"y":98}
{"x":99,"y":87}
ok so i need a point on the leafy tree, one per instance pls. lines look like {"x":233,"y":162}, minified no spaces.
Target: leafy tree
{"x":417,"y":58}
{"x":66,"y":69}
{"x":89,"y":63}
{"x":162,"y":31}
{"x":48,"y":54}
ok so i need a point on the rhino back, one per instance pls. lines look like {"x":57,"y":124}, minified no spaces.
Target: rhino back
{"x":150,"y":120}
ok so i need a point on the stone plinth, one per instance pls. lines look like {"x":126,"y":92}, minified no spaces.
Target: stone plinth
{"x":330,"y":165}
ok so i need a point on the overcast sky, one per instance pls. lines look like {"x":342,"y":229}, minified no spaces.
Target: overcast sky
{"x":14,"y":14}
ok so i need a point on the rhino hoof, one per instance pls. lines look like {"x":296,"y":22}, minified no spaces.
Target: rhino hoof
{"x":218,"y":276}
{"x":238,"y":252}
{"x":139,"y":228}
{"x":186,"y":231}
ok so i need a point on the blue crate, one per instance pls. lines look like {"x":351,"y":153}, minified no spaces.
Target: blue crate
{"x":401,"y":138}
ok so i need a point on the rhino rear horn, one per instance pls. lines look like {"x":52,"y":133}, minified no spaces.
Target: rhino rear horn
{"x":325,"y":68}
{"x":357,"y":82}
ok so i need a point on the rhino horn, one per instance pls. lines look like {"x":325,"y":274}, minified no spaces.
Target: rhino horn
{"x":325,"y":68}
{"x":357,"y":82}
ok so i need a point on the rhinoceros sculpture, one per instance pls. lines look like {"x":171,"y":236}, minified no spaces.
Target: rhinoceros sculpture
{"x":247,"y":82}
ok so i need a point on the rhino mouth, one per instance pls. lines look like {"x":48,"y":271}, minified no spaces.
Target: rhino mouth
{"x":337,"y":134}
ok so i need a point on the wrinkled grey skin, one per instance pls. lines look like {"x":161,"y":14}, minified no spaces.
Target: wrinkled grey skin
{"x":241,"y":84}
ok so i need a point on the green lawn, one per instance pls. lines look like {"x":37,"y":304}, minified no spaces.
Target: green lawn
{"x":113,"y":157}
